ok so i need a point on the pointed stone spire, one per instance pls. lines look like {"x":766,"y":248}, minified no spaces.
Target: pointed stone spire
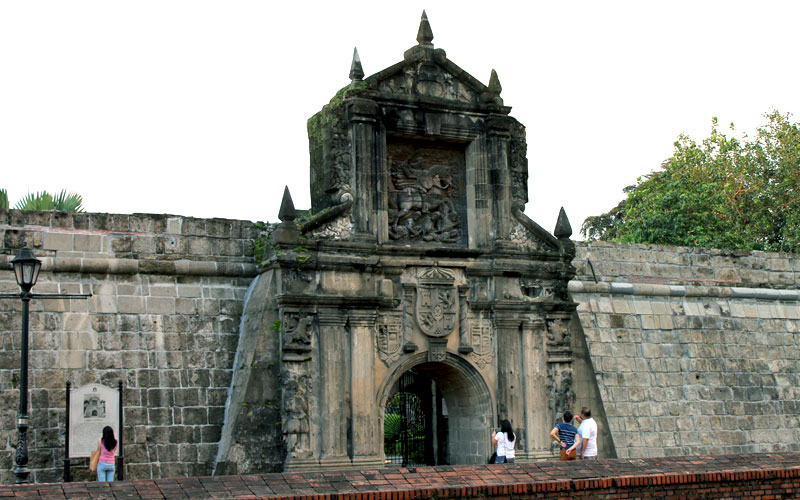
{"x":286,"y":233}
{"x":356,"y":72}
{"x":425,"y":34}
{"x":494,"y":84}
{"x":563,"y":228}
{"x":287,"y":213}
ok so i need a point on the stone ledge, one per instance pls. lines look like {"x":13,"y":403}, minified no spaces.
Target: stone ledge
{"x":585,"y":478}
{"x":650,"y":290}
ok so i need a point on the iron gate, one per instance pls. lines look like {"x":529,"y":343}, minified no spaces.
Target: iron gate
{"x":407,"y":431}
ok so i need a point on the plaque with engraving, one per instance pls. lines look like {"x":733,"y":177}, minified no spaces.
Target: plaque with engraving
{"x":426,"y":196}
{"x":92,"y":407}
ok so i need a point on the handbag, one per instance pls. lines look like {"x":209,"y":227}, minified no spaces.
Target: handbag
{"x":93,"y":459}
{"x":491,"y":459}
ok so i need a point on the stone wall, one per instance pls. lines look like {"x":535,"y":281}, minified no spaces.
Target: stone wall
{"x":695,"y":351}
{"x":163,"y":318}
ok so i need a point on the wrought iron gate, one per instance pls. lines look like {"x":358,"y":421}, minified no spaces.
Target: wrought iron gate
{"x":406,"y":424}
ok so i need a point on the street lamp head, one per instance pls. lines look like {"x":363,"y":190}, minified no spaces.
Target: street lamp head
{"x":26,"y":269}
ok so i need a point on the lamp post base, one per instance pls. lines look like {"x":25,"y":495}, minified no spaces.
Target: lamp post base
{"x":21,"y":470}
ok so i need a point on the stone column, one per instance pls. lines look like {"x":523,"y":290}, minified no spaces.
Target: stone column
{"x":537,"y":442}
{"x":333,"y":388}
{"x":510,"y":404}
{"x":368,"y":194}
{"x":366,"y":435}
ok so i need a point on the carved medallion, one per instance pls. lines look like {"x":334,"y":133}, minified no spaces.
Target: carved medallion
{"x":480,"y":334}
{"x":437,"y":302}
{"x":389,"y":339}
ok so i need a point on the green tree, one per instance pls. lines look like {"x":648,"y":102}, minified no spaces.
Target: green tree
{"x":64,"y":201}
{"x":725,"y":192}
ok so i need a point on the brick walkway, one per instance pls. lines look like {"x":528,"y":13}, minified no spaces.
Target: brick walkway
{"x":441,"y":482}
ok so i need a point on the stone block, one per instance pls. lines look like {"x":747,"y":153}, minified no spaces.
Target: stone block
{"x":130,"y":305}
{"x":160,"y":305}
{"x":58,"y":241}
{"x":174,"y":225}
{"x":202,"y":246}
{"x":88,"y":243}
{"x":144,"y":244}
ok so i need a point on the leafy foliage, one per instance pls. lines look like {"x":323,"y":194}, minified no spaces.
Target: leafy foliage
{"x":64,"y":201}
{"x":3,"y":199}
{"x":724,"y":192}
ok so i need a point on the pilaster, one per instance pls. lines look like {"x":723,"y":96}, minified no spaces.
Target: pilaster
{"x":368,"y":194}
{"x":334,"y":389}
{"x":366,"y":435}
{"x":509,"y":367}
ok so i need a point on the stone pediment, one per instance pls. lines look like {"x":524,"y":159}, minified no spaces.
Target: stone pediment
{"x":426,"y":73}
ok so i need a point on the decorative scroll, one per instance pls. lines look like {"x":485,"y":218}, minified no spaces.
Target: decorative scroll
{"x":426,"y":194}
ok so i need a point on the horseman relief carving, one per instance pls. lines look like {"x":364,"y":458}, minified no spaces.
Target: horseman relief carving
{"x":426,"y":194}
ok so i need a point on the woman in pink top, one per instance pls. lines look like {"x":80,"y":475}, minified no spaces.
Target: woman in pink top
{"x":107,"y":446}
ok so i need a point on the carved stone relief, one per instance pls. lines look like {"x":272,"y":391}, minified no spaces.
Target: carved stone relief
{"x":296,"y":425}
{"x":337,"y":155}
{"x":437,"y":349}
{"x":558,"y":336}
{"x":482,"y":342}
{"x":437,"y":302}
{"x":337,"y":229}
{"x":562,"y":396}
{"x":298,"y":329}
{"x":426,"y":194}
{"x":523,"y":239}
{"x":429,"y":79}
{"x":389,"y":339}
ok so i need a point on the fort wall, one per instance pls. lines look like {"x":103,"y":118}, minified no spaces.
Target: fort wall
{"x":695,"y":351}
{"x":167,"y":295}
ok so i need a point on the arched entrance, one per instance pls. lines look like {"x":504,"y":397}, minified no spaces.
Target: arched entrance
{"x":436,"y":413}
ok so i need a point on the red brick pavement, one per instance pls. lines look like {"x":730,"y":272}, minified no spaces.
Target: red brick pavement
{"x":558,"y":479}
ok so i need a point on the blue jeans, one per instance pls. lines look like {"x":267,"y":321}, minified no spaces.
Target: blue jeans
{"x":105,"y":472}
{"x":500,"y":460}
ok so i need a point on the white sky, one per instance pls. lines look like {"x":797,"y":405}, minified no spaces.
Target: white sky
{"x":199,"y":108}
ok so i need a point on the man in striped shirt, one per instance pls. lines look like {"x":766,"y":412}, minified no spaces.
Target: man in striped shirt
{"x":564,"y":434}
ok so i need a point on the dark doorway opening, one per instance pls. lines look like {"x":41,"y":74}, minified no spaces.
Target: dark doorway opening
{"x":415,"y":422}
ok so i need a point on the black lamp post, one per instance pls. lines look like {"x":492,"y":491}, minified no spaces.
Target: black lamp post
{"x":26,"y":270}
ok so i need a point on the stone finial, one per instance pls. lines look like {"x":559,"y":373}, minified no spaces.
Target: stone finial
{"x":287,"y":213}
{"x":356,"y":72}
{"x":425,"y":34}
{"x":494,"y":84}
{"x":563,"y":228}
{"x":286,"y":233}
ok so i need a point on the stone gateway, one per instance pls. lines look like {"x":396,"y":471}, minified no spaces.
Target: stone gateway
{"x":415,"y":305}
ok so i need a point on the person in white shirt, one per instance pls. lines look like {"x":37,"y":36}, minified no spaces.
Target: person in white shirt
{"x":588,"y":434}
{"x":504,"y":440}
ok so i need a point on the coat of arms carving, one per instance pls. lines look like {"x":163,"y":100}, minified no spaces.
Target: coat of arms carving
{"x":389,"y":339}
{"x":482,"y":343}
{"x":437,"y":302}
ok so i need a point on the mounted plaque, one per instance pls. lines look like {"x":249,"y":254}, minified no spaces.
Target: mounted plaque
{"x":91,"y":408}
